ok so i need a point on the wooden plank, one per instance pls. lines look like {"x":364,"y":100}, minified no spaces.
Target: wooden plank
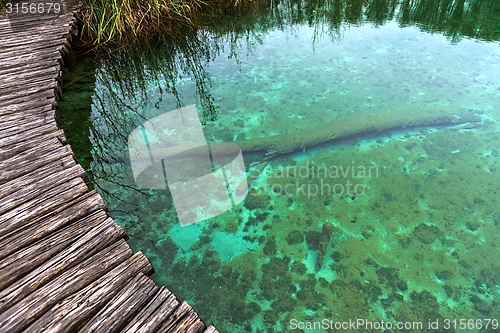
{"x":183,"y":319}
{"x":42,"y":140}
{"x":30,"y":76}
{"x":75,"y":259}
{"x":140,"y":319}
{"x":27,"y":259}
{"x":39,"y":95}
{"x":118,"y":312}
{"x":14,"y":40}
{"x":29,"y":66}
{"x":26,"y":61}
{"x":153,"y":314}
{"x":37,"y":23}
{"x":26,"y":133}
{"x":45,"y":111}
{"x":88,"y":204}
{"x":49,"y":171}
{"x":28,"y":121}
{"x":39,"y":45}
{"x":211,"y":329}
{"x":27,"y":29}
{"x":10,"y":128}
{"x":70,"y":312}
{"x":28,"y":87}
{"x":68,"y":284}
{"x":37,"y":189}
{"x":51,"y":103}
{"x":30,"y":160}
{"x":17,"y":217}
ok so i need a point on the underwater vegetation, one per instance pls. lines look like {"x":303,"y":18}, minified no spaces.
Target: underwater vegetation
{"x":417,"y":244}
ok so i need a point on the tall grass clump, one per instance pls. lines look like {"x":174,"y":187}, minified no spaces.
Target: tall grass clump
{"x":107,"y":20}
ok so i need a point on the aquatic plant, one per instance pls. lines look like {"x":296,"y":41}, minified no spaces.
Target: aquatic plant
{"x":104,"y":20}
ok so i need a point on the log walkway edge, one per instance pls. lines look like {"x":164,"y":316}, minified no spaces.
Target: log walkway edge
{"x":64,"y":264}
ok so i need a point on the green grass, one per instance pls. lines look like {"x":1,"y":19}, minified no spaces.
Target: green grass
{"x":108,"y":20}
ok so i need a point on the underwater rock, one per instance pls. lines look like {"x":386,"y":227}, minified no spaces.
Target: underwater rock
{"x":326,"y":234}
{"x":294,"y":237}
{"x":427,"y":234}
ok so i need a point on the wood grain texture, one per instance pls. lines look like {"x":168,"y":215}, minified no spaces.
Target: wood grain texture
{"x":71,"y":264}
{"x":149,"y":318}
{"x":122,"y":308}
{"x":64,"y":262}
{"x":89,"y":203}
{"x":70,"y":312}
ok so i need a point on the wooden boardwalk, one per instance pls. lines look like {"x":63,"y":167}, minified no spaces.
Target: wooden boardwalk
{"x":64,"y":264}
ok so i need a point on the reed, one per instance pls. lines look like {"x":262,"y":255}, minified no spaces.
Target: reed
{"x":108,"y":20}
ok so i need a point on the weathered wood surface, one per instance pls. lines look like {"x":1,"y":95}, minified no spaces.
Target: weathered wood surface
{"x":64,"y":264}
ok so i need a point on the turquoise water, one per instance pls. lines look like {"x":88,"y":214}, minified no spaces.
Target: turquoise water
{"x":414,"y":210}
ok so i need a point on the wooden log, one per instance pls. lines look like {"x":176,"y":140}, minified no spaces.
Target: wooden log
{"x":25,"y":86}
{"x":27,"y":133}
{"x":18,"y":216}
{"x":376,"y":122}
{"x":29,"y":121}
{"x":183,"y":319}
{"x":76,"y":255}
{"x":30,"y":160}
{"x":36,"y":189}
{"x":45,"y":111}
{"x":28,"y":258}
{"x":50,"y":171}
{"x":326,"y":234}
{"x":39,"y":95}
{"x":88,"y":204}
{"x":93,"y":272}
{"x":211,"y":329}
{"x":150,"y":317}
{"x":127,"y":303}
{"x":44,"y":139}
{"x":372,"y":123}
{"x":27,"y":67}
{"x":70,"y":312}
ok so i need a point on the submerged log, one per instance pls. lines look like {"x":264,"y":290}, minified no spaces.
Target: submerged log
{"x":326,"y":234}
{"x":271,"y":146}
{"x":363,"y":124}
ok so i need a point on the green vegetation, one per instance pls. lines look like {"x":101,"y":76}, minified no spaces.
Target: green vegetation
{"x":3,"y":4}
{"x":104,"y":20}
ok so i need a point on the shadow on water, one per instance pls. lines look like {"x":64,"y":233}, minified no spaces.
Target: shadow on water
{"x":107,"y":97}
